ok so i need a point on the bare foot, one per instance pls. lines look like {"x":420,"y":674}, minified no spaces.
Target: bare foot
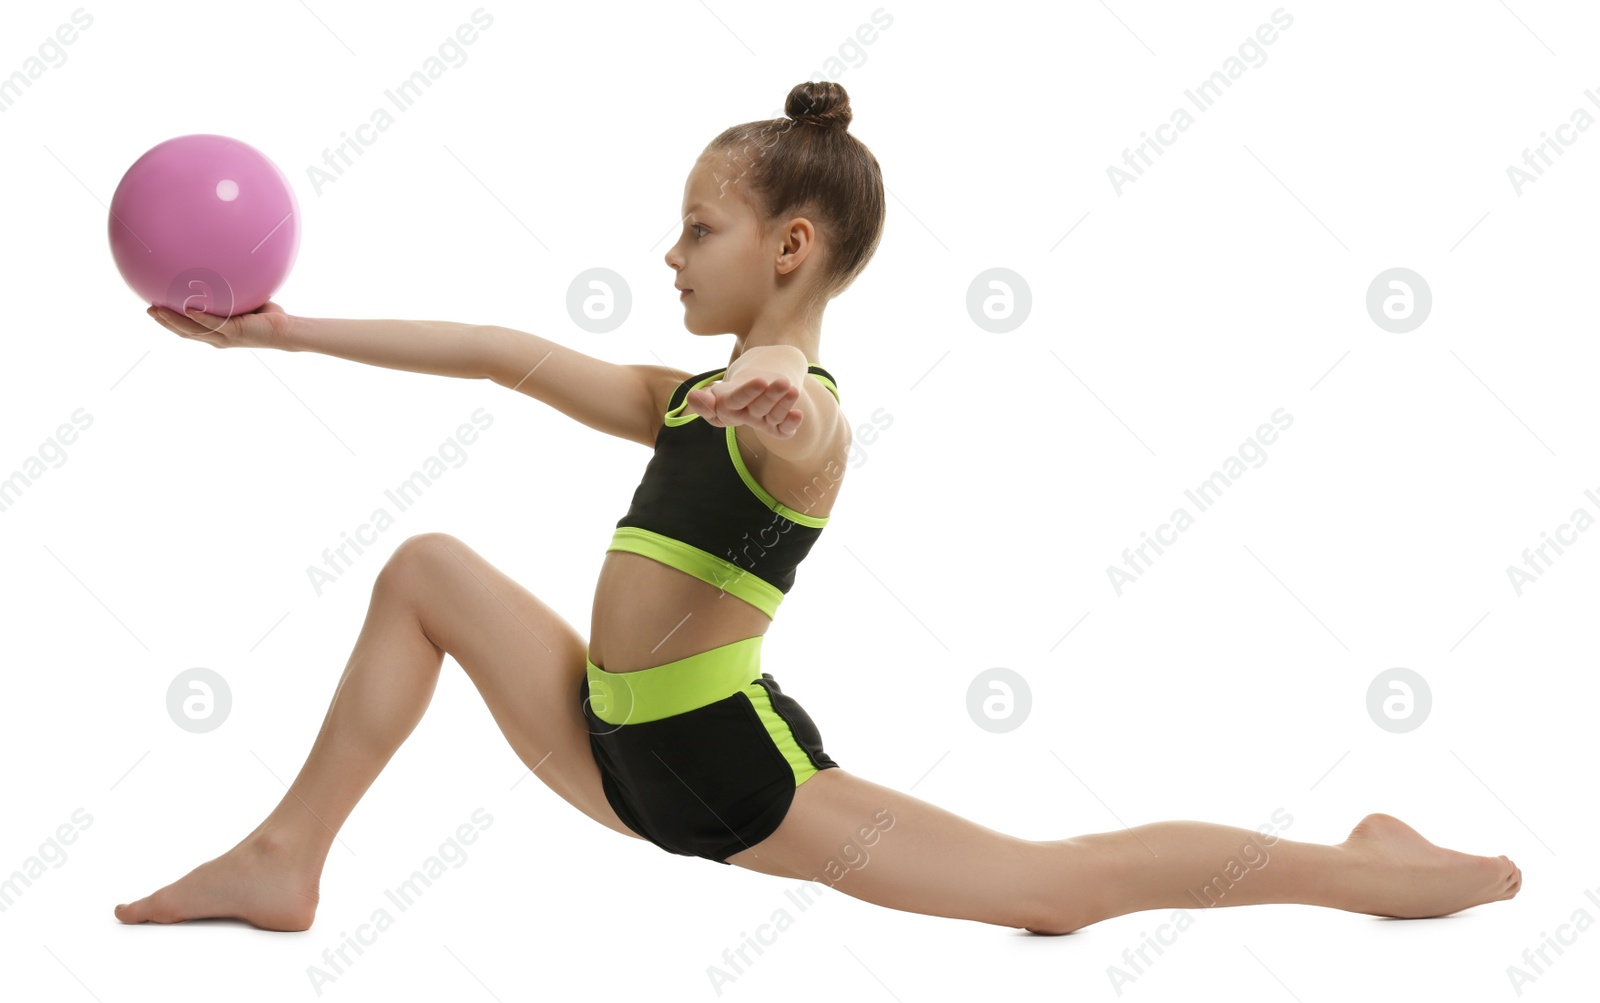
{"x":1407,"y":877}
{"x":258,"y":881}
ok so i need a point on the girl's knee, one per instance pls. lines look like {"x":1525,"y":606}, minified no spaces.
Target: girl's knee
{"x":417,"y":557}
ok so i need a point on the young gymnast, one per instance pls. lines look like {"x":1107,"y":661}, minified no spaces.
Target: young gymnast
{"x":663,"y":726}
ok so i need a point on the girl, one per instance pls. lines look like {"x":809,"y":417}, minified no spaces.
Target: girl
{"x":662,"y":726}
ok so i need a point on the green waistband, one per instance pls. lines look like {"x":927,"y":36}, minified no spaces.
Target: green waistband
{"x":676,"y":687}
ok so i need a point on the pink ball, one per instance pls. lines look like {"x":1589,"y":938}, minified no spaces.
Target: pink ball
{"x":204,"y":222}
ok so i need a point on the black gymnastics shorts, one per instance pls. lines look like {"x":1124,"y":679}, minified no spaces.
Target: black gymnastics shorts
{"x":700,"y":756}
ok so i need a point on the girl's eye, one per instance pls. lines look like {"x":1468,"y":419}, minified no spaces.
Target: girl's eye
{"x":698,"y":226}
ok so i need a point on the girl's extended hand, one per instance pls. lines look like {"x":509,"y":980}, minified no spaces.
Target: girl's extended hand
{"x":260,"y":328}
{"x":767,"y":404}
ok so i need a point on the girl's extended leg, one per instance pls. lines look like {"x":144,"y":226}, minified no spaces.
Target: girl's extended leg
{"x":434,"y":596}
{"x":889,"y":848}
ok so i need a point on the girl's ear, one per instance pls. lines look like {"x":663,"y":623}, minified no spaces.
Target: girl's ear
{"x":799,"y":240}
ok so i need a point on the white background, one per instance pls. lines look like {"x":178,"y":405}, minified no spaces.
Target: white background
{"x":1168,"y":322}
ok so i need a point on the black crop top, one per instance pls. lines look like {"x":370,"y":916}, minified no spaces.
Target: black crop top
{"x":698,"y":509}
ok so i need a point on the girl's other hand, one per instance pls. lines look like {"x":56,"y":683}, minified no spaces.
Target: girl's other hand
{"x":748,"y":399}
{"x":260,"y":328}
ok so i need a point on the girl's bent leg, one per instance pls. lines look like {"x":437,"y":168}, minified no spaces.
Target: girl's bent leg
{"x":434,"y":596}
{"x":885,"y":847}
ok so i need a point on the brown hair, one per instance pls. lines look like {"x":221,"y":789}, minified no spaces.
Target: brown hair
{"x":809,"y":163}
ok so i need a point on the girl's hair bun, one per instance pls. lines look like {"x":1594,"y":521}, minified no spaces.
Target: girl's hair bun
{"x":819,"y":102}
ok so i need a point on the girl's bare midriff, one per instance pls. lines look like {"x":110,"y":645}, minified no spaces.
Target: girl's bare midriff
{"x":647,"y":613}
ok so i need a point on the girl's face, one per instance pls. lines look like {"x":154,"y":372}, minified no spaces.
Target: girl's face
{"x":719,"y":255}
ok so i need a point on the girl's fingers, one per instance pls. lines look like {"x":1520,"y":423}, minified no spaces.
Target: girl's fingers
{"x":706,"y":406}
{"x":751,"y":403}
{"x":773,"y":411}
{"x":740,"y":397}
{"x":169,"y":320}
{"x":205,"y":320}
{"x":179,"y":322}
{"x":188,"y":325}
{"x":775,"y":399}
{"x":752,"y":391}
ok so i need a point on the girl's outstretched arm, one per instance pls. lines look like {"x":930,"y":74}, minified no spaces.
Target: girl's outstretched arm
{"x":440,"y":347}
{"x":621,"y":400}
